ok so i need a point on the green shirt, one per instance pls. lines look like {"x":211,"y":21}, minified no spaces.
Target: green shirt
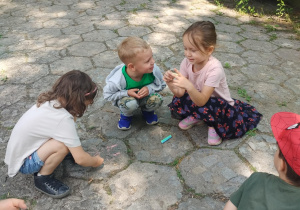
{"x":266,"y":191}
{"x":130,"y":83}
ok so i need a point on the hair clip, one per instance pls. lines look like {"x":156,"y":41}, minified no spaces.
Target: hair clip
{"x":91,"y":92}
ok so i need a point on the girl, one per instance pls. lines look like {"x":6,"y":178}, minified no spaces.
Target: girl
{"x":46,"y":133}
{"x":201,"y":91}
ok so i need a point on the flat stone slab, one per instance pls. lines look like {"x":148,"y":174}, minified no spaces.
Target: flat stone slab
{"x":145,"y":186}
{"x":87,"y":49}
{"x":161,"y":39}
{"x":12,"y":94}
{"x":264,"y":73}
{"x":288,"y":54}
{"x":115,"y":157}
{"x":259,"y":151}
{"x":107,"y":59}
{"x":229,"y":47}
{"x":261,"y":91}
{"x":261,"y":46}
{"x":27,"y":73}
{"x":66,"y":64}
{"x":214,"y":171}
{"x":147,"y":146}
{"x":202,"y":204}
{"x":199,"y":135}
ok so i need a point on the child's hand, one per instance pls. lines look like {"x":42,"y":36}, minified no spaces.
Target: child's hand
{"x":181,"y":81}
{"x":12,"y":204}
{"x":168,"y":76}
{"x":133,"y":93}
{"x":143,"y":92}
{"x":99,"y":161}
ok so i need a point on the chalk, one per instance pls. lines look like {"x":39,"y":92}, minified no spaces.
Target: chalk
{"x":166,"y":139}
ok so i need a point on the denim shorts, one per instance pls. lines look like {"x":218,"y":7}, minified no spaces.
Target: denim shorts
{"x":32,"y":164}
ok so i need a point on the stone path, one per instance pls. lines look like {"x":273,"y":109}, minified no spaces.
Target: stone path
{"x":41,"y":40}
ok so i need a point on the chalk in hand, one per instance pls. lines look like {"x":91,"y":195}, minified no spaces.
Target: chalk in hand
{"x":166,"y":139}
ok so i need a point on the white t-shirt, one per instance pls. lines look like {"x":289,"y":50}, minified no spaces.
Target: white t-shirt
{"x":34,"y":128}
{"x":212,"y":75}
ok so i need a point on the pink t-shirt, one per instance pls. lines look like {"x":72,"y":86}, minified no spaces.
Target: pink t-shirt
{"x":212,"y":75}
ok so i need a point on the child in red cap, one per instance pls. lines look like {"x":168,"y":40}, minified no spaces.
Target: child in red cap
{"x":266,"y":191}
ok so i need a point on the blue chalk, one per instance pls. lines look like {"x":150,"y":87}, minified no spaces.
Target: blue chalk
{"x":166,"y":139}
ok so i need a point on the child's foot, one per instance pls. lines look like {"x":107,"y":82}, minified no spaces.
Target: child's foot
{"x":188,"y":122}
{"x":124,"y":122}
{"x":150,"y":117}
{"x":213,"y":138}
{"x":51,"y":186}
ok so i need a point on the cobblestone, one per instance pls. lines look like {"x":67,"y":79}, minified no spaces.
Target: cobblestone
{"x":41,"y":40}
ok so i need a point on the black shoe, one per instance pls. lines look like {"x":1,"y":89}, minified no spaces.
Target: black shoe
{"x":51,"y":186}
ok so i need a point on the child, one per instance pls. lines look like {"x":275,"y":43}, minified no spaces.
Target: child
{"x":266,"y":191}
{"x":201,"y":91}
{"x":46,"y":133}
{"x":135,"y":83}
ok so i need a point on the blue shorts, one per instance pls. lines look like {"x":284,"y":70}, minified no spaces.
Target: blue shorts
{"x":32,"y":164}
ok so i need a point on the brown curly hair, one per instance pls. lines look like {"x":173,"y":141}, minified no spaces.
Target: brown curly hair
{"x":71,"y":90}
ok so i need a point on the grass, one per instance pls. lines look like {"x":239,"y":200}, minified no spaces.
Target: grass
{"x":236,"y":150}
{"x":251,"y":132}
{"x":243,"y":93}
{"x":91,"y":128}
{"x":273,"y":37}
{"x":238,"y":42}
{"x":253,"y":22}
{"x":276,"y":11}
{"x":3,"y":77}
{"x":4,"y":196}
{"x":281,"y":104}
{"x":174,"y":163}
{"x":219,"y":3}
{"x":227,"y":65}
{"x":270,"y":28}
{"x":123,"y":2}
{"x":10,"y":128}
{"x":134,"y":10}
{"x":179,"y":174}
{"x":107,"y":190}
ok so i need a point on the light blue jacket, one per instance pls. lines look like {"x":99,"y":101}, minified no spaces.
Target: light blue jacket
{"x":115,"y":87}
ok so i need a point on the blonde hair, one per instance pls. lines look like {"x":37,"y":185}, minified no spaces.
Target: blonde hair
{"x":130,"y":47}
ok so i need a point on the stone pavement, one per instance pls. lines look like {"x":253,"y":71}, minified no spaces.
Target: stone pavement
{"x":43,"y":39}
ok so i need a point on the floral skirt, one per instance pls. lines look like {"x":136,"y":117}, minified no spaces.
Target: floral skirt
{"x":229,"y":121}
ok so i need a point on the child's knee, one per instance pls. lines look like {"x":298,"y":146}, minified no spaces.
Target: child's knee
{"x":128,"y":104}
{"x":63,"y":149}
{"x":155,"y":100}
{"x":60,"y":147}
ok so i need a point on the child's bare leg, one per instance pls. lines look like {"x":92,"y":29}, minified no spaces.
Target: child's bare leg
{"x":51,"y":153}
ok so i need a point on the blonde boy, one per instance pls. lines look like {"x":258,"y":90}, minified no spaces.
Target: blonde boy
{"x":266,"y":191}
{"x":135,"y":83}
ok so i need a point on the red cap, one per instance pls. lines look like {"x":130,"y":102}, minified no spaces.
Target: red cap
{"x":286,"y":130}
